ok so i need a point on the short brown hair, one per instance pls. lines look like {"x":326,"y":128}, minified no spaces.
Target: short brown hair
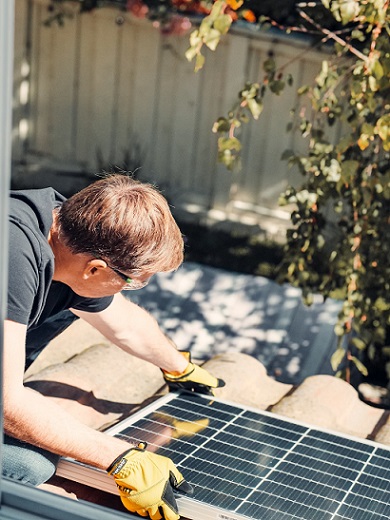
{"x":125,"y":222}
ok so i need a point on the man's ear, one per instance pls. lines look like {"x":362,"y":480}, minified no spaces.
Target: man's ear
{"x":94,"y":267}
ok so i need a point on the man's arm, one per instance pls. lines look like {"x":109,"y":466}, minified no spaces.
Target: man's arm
{"x":134,"y":330}
{"x":35,"y":419}
{"x":146,"y":480}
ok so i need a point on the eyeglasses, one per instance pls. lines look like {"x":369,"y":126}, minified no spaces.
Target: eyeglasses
{"x":132,"y":285}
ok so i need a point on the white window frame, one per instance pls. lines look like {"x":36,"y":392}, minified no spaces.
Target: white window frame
{"x":19,"y":501}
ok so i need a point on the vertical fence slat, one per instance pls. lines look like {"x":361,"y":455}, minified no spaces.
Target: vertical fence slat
{"x":235,"y":75}
{"x":20,"y":78}
{"x":210,"y":106}
{"x":166,"y":94}
{"x":103,"y":83}
{"x":86,"y":94}
{"x":146,"y":88}
{"x":41,"y":91}
{"x":184,"y":137}
{"x":127,"y":133}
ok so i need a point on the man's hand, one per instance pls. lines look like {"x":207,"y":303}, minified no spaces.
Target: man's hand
{"x":193,"y":379}
{"x":146,"y":482}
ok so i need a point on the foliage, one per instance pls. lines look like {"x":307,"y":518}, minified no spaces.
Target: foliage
{"x":339,"y":242}
{"x":212,"y":27}
{"x":347,"y":183}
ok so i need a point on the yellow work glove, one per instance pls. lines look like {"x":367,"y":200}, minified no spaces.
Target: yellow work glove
{"x":193,"y":379}
{"x":146,"y":482}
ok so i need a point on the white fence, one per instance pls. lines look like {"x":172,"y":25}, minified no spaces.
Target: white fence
{"x":93,"y":87}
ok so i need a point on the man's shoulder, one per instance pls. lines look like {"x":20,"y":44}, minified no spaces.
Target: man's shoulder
{"x":31,"y":210}
{"x":42,"y":198}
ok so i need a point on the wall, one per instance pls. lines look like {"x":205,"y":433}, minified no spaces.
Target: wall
{"x":99,"y":89}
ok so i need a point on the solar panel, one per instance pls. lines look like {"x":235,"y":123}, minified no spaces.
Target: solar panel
{"x":248,"y":464}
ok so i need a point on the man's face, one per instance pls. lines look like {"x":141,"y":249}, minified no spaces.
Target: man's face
{"x":96,"y":279}
{"x":96,"y":288}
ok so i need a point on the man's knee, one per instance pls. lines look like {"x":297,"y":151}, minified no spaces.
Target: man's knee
{"x":28,"y":464}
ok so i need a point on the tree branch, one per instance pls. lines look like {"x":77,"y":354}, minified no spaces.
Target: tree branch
{"x":333,"y":36}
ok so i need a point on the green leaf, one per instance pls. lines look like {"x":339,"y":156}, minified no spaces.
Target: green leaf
{"x":339,"y":330}
{"x":211,"y":39}
{"x":359,"y":365}
{"x":337,"y":358}
{"x":255,"y":108}
{"x":333,"y":171}
{"x":368,"y":129}
{"x":269,"y":65}
{"x":306,"y":197}
{"x":358,"y":343}
{"x":216,"y":10}
{"x":382,"y":127}
{"x":221,"y":125}
{"x":229,"y":143}
{"x":277,"y":86}
{"x":348,"y":170}
{"x":345,"y":11}
{"x":200,"y":59}
{"x":372,"y":83}
{"x":302,"y":90}
{"x":191,"y":53}
{"x":378,"y":70}
{"x":382,"y":305}
{"x":223,"y":23}
{"x":320,"y":241}
{"x":358,"y":35}
{"x":244,"y":118}
{"x":195,"y":38}
{"x":344,"y":143}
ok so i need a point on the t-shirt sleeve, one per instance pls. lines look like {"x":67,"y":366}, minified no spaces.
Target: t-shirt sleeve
{"x":22,"y":276}
{"x":93,"y":304}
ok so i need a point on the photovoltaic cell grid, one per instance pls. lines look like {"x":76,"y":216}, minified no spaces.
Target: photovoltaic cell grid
{"x":259,"y":466}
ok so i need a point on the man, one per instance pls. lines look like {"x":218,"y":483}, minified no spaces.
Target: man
{"x":79,"y":254}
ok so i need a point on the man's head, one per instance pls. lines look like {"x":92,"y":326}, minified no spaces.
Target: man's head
{"x":126,"y":223}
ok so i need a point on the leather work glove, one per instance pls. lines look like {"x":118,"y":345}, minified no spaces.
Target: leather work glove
{"x":146,"y":482}
{"x":193,"y":379}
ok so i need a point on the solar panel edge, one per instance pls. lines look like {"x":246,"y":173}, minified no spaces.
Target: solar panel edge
{"x":192,"y":508}
{"x":188,"y":507}
{"x":87,"y":475}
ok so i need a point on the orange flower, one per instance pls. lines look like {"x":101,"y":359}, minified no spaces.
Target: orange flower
{"x":248,"y":15}
{"x":235,"y":4}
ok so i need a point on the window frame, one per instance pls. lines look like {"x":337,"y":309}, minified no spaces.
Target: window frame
{"x":22,"y":502}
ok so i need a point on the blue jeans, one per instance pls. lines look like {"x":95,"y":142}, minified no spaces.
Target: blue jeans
{"x":21,"y":461}
{"x":26,"y":463}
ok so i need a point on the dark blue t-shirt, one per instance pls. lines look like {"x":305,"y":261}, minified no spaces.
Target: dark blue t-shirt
{"x":33,"y":296}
